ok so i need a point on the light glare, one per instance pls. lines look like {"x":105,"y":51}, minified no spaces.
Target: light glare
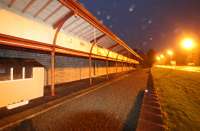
{"x":162,"y":56}
{"x":170,"y":52}
{"x":188,"y":43}
{"x":158,"y":58}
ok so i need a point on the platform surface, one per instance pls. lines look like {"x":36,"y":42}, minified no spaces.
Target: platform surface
{"x":111,"y":105}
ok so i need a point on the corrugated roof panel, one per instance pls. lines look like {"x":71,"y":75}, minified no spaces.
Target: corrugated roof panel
{"x":35,"y":7}
{"x":49,"y":9}
{"x":6,"y":2}
{"x":91,"y":33}
{"x":88,"y":32}
{"x":70,"y":22}
{"x":106,"y":42}
{"x":77,"y":29}
{"x":20,"y":4}
{"x":81,"y":28}
{"x":74,"y":25}
{"x":92,"y":36}
{"x":85,"y":30}
{"x":58,"y":15}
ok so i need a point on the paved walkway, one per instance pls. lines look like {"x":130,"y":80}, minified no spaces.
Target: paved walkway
{"x":111,"y":106}
{"x":62,"y":90}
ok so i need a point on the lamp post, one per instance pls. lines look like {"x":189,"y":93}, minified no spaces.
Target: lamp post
{"x":162,"y":56}
{"x":158,"y":58}
{"x":170,"y":53}
{"x":189,"y":45}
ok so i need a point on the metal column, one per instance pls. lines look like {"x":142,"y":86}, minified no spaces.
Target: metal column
{"x":57,"y":26}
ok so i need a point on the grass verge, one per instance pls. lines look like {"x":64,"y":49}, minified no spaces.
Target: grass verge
{"x":179,"y":93}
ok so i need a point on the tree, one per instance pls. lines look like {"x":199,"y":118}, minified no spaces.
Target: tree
{"x":150,"y":59}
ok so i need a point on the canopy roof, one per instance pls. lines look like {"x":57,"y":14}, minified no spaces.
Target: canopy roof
{"x":77,"y":22}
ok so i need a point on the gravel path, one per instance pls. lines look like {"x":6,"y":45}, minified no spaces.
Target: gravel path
{"x":113,"y":107}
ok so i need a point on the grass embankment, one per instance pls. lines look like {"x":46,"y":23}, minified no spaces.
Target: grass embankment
{"x":179,"y":93}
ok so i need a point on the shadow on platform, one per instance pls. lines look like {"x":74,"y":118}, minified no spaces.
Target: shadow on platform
{"x":133,"y":116}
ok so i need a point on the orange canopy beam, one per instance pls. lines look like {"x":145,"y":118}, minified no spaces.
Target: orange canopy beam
{"x":112,"y":47}
{"x":97,"y":39}
{"x":64,"y":18}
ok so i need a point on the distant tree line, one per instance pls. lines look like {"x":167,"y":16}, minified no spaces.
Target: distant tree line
{"x":149,"y":58}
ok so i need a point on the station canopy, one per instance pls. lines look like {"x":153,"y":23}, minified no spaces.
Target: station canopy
{"x":77,"y":21}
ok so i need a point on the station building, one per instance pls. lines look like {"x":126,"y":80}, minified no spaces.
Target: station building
{"x":49,"y":42}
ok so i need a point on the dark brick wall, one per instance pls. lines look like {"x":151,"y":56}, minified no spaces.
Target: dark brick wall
{"x":68,"y":68}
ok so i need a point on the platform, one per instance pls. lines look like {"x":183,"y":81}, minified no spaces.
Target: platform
{"x":111,"y":105}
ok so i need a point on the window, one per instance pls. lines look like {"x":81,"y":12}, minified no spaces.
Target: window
{"x":4,"y":73}
{"x":17,"y":72}
{"x":28,"y":72}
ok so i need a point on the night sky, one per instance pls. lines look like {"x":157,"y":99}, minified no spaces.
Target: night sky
{"x":146,"y":24}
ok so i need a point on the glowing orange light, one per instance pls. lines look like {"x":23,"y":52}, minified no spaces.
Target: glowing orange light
{"x":170,"y":52}
{"x":158,"y":58}
{"x":188,"y":43}
{"x":162,"y":56}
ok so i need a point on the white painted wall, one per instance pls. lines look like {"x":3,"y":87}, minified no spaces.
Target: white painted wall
{"x":22,"y":90}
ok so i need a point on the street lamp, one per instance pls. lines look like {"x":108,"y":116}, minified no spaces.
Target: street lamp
{"x":158,"y":58}
{"x":188,"y":43}
{"x":162,"y":56}
{"x":170,"y":52}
